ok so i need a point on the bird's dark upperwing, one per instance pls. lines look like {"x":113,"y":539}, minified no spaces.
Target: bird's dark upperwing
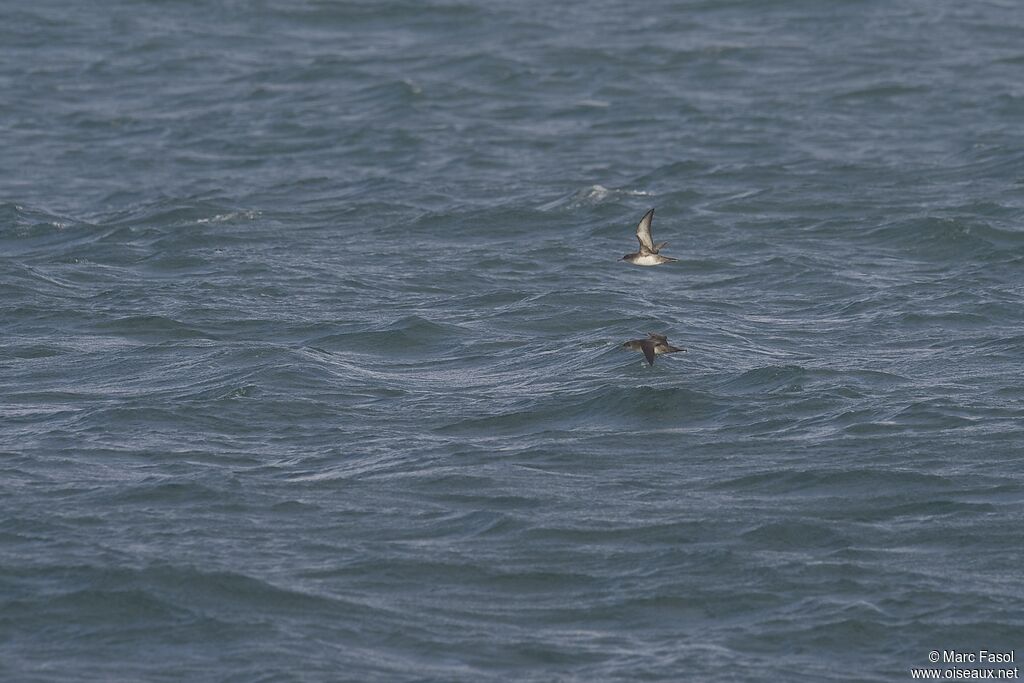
{"x":648,"y":349}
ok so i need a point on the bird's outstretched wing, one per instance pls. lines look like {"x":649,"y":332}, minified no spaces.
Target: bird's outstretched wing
{"x":643,"y":234}
{"x":648,"y":349}
{"x":658,"y":337}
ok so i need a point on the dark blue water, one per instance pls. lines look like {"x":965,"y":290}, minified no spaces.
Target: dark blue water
{"x":311,"y":319}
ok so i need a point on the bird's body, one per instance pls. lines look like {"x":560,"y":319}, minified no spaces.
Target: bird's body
{"x":648,"y":254}
{"x":654,"y":345}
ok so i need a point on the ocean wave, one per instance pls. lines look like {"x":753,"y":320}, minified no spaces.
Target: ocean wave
{"x":592,"y":196}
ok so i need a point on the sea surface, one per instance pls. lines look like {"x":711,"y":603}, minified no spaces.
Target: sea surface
{"x":311,"y":317}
